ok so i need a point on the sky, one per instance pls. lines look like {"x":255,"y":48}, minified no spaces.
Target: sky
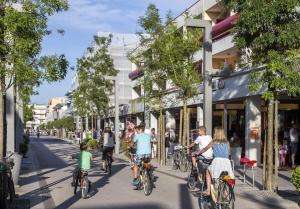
{"x":83,"y":20}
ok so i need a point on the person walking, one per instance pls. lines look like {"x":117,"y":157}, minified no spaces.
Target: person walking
{"x":294,"y":137}
{"x":153,"y":143}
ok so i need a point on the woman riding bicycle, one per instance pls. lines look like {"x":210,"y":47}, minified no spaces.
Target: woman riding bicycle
{"x":221,"y":160}
{"x":108,"y":145}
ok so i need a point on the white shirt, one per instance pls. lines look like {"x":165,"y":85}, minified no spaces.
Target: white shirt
{"x":202,"y":142}
{"x":294,"y":135}
{"x":108,"y":141}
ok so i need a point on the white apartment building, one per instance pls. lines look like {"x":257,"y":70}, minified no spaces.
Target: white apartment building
{"x":39,"y":116}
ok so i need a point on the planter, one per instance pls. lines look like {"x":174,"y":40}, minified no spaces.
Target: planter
{"x":17,"y":167}
{"x":235,"y":153}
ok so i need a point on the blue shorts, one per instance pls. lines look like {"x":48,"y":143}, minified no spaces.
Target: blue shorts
{"x":138,"y":158}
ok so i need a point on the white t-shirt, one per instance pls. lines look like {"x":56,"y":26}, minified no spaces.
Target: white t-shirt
{"x":294,"y":135}
{"x":202,"y":142}
{"x":108,"y":140}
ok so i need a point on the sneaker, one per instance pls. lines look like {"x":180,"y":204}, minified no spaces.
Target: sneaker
{"x":135,"y":182}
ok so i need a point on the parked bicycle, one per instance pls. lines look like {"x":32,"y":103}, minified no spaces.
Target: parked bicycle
{"x":8,"y":189}
{"x":145,"y":176}
{"x":181,"y":158}
{"x":84,"y":183}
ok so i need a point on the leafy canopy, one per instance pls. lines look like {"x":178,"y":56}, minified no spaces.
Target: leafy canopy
{"x":270,"y":37}
{"x":23,"y":24}
{"x":92,"y":94}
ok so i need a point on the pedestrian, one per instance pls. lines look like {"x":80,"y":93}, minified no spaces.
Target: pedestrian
{"x":84,"y":135}
{"x":167,"y":145}
{"x":108,"y":146}
{"x":154,"y":143}
{"x":294,"y":137}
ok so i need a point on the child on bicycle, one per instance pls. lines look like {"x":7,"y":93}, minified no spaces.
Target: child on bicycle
{"x":84,"y":159}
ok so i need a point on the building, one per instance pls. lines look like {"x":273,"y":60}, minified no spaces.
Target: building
{"x":53,"y":107}
{"x":235,"y":108}
{"x":39,"y":116}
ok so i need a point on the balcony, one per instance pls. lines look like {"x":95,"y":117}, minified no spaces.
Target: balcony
{"x":137,"y":106}
{"x":135,"y":74}
{"x":222,"y":28}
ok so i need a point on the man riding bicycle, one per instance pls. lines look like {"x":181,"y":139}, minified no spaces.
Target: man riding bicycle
{"x":143,"y":150}
{"x":202,"y":141}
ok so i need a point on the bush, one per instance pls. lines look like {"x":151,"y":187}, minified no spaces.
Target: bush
{"x":296,"y":178}
{"x":23,"y":148}
{"x":92,"y":143}
{"x":26,"y":139}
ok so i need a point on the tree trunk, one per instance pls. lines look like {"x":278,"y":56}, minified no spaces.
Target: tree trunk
{"x":180,"y":126}
{"x":188,"y":126}
{"x":184,"y":133}
{"x":270,"y":148}
{"x":264,"y":160}
{"x":163,"y":162}
{"x":2,"y":118}
{"x":276,"y":146}
{"x":159,"y":141}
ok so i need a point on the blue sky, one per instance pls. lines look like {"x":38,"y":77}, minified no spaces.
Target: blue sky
{"x":83,"y":20}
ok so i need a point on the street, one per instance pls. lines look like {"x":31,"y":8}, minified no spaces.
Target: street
{"x":47,"y":174}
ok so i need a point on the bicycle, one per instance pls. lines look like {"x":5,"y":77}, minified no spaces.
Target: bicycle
{"x":108,"y":162}
{"x":8,"y":187}
{"x":85,"y":184}
{"x":145,"y":177}
{"x":181,"y":158}
{"x":221,"y":194}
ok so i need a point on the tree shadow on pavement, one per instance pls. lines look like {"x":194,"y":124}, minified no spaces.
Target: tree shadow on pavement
{"x":131,"y":206}
{"x":94,"y":189}
{"x":185,"y":198}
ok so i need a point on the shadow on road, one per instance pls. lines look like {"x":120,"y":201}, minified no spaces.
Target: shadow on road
{"x":130,"y":206}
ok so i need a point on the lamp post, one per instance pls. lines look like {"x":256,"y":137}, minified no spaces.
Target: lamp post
{"x":115,"y":79}
{"x":207,"y":67}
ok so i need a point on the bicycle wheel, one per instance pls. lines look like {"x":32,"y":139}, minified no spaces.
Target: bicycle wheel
{"x":147,"y":185}
{"x":183,"y":163}
{"x":225,"y":196}
{"x":109,"y":161}
{"x":85,"y":187}
{"x":76,"y":182}
{"x":192,"y":180}
{"x":10,"y":199}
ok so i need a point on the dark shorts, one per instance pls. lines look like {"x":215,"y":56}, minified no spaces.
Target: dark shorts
{"x":294,"y":147}
{"x":105,"y":151}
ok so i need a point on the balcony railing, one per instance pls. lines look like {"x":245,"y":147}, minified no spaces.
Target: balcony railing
{"x":223,"y":28}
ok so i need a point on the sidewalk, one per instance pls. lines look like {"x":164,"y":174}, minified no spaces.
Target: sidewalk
{"x":287,"y":197}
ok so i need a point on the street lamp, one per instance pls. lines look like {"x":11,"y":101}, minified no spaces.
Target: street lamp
{"x":207,"y":67}
{"x":115,"y":79}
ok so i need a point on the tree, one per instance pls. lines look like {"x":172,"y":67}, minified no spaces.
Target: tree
{"x":165,"y":54}
{"x":27,"y":112}
{"x":23,"y":26}
{"x":270,"y":37}
{"x":147,"y":57}
{"x":178,"y":49}
{"x":92,"y":94}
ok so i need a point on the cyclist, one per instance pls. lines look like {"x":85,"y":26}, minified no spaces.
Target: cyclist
{"x":84,"y":159}
{"x":108,"y":146}
{"x":221,"y":162}
{"x":143,"y":150}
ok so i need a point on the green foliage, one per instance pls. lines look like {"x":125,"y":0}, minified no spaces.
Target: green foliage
{"x":66,"y":123}
{"x":26,"y":139}
{"x":92,"y":143}
{"x":296,"y":178}
{"x":92,"y":94}
{"x":270,"y":37}
{"x":23,"y":148}
{"x":27,"y":112}
{"x":23,"y":25}
{"x":42,"y":126}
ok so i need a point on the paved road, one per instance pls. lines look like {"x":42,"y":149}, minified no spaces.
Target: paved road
{"x":47,"y":175}
{"x":54,"y":169}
